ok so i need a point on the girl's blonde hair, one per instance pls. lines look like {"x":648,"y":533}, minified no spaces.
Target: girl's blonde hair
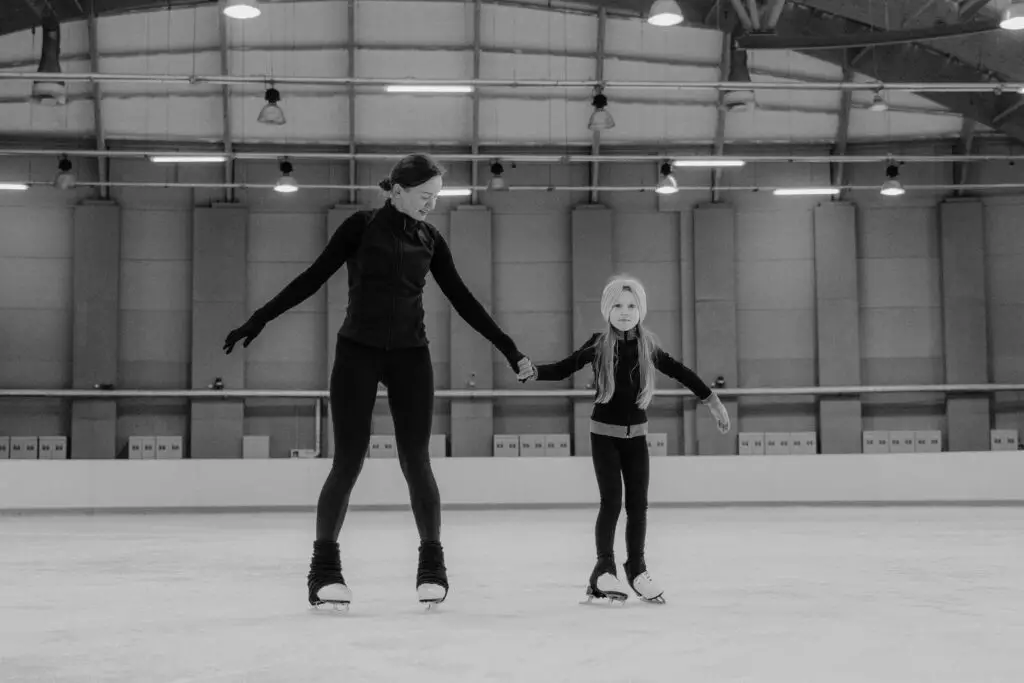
{"x":605,"y":357}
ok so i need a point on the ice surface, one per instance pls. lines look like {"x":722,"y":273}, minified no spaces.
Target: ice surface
{"x":788,"y":595}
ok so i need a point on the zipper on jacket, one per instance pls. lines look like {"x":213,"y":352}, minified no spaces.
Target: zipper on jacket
{"x":394,"y":293}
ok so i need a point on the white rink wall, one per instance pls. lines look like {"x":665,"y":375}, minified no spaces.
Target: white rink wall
{"x":890,"y":478}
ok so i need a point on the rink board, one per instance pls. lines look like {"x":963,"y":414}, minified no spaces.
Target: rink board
{"x":890,"y":478}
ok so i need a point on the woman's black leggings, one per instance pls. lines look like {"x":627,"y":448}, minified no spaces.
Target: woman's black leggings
{"x":618,"y":462}
{"x":409,"y":378}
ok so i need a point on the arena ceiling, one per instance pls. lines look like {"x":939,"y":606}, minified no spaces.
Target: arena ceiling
{"x":925,"y":40}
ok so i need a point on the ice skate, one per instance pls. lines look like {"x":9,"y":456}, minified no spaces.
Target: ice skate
{"x":325,"y":582}
{"x":604,"y":583}
{"x":431,"y":575}
{"x":642,"y":583}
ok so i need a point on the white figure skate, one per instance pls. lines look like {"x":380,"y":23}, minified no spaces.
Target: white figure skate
{"x":644,"y":586}
{"x":604,"y":584}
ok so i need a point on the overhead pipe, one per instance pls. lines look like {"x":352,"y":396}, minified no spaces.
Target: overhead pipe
{"x":546,"y":188}
{"x":194,"y":79}
{"x":528,"y":158}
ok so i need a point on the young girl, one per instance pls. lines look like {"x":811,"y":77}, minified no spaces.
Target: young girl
{"x":624,"y":358}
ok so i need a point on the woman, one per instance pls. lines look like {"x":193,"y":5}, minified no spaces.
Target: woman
{"x":624,"y":357}
{"x":389,"y":252}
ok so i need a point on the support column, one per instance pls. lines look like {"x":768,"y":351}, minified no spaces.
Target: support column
{"x":838,"y":317}
{"x":472,"y":356}
{"x":714,"y":268}
{"x":965,"y":321}
{"x":592,"y":263}
{"x":96,"y":303}
{"x":337,"y":306}
{"x":687,"y":317}
{"x":219,"y":267}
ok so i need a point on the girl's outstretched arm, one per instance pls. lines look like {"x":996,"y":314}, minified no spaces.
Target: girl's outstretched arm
{"x":682,"y":374}
{"x":564,"y":368}
{"x":688,"y":378}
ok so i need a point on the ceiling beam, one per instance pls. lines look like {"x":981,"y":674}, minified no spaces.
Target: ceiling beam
{"x":35,"y":6}
{"x":771,"y":13}
{"x":864,"y":38}
{"x":969,"y":8}
{"x":741,"y":14}
{"x":913,"y":63}
{"x":989,"y":51}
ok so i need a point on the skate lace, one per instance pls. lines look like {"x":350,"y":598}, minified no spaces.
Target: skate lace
{"x":643,"y":583}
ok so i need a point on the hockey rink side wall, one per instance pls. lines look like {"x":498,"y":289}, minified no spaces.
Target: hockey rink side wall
{"x":891,"y":478}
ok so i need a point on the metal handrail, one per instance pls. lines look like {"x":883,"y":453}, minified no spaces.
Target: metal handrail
{"x":334,"y":81}
{"x":318,"y":396}
{"x":508,"y":393}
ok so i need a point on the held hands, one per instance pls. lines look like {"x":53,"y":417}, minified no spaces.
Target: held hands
{"x":249,"y":331}
{"x":526,"y":370}
{"x":719,"y":412}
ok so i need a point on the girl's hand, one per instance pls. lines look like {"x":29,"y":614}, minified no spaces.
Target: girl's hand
{"x":719,"y":412}
{"x":526,"y":370}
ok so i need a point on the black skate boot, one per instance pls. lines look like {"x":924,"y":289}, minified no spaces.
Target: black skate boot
{"x":325,"y":582}
{"x":604,"y":582}
{"x":431,"y":574}
{"x":641,"y":582}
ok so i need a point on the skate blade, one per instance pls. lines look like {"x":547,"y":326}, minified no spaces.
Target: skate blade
{"x":660,"y":600}
{"x":603,"y":602}
{"x":331,"y":606}
{"x":608,"y":598}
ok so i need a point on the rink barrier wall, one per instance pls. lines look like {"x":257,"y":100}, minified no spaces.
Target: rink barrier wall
{"x":294,"y":484}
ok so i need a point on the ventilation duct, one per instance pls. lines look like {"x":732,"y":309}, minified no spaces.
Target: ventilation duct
{"x":51,"y":93}
{"x":738,"y":100}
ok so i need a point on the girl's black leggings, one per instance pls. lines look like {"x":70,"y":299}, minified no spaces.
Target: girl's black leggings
{"x":409,"y":378}
{"x":618,"y":462}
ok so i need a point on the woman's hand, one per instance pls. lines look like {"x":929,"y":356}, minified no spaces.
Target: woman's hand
{"x":247,"y":332}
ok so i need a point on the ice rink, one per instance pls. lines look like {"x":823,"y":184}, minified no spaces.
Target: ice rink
{"x":787,"y":595}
